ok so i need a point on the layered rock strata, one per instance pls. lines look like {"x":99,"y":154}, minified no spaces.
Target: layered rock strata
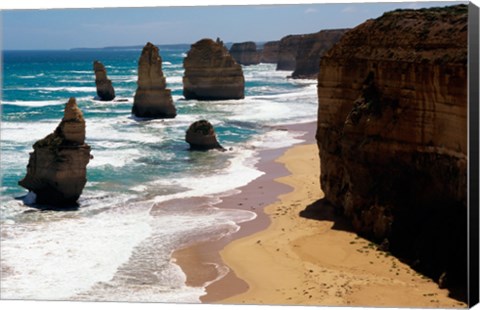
{"x":105,"y":91}
{"x":152,"y":99}
{"x":287,"y":52}
{"x":211,"y":73}
{"x":269,"y":52}
{"x":392,"y":135}
{"x":201,"y":136}
{"x":56,"y":170}
{"x":311,"y":49}
{"x":245,"y":53}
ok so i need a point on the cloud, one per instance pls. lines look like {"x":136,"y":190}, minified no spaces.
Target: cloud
{"x":354,"y":10}
{"x":310,"y":11}
{"x":350,"y":9}
{"x":414,"y":5}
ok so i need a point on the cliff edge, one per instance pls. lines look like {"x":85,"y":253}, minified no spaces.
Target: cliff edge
{"x":392,"y":136}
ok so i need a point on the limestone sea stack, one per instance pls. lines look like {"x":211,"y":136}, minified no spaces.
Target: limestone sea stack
{"x":245,"y":53}
{"x":392,"y":135}
{"x":311,"y":49}
{"x":269,"y":52}
{"x":211,"y":73}
{"x":105,"y":89}
{"x":201,"y":136}
{"x":152,"y":99}
{"x":57,"y":168}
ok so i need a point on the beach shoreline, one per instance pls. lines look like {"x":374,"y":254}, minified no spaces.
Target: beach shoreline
{"x":200,"y":261}
{"x":310,"y":255}
{"x":299,"y":251}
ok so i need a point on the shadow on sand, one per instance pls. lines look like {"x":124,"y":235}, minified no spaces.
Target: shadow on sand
{"x":322,"y":210}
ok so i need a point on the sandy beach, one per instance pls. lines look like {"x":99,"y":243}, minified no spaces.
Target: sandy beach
{"x":310,"y":256}
{"x":199,"y":260}
{"x":302,"y":253}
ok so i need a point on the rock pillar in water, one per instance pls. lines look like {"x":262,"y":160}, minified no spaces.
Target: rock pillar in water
{"x":105,"y":89}
{"x":57,"y":168}
{"x":211,"y":73}
{"x":152,"y":98}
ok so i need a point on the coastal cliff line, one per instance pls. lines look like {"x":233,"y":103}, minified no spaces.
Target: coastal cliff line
{"x":392,"y":136}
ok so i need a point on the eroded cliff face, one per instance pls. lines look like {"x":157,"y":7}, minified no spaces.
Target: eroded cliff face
{"x":245,"y":53}
{"x":269,"y":52}
{"x":287,"y":52}
{"x":392,"y":135}
{"x":152,"y":99}
{"x":211,"y":73}
{"x":56,"y":170}
{"x":311,"y":49}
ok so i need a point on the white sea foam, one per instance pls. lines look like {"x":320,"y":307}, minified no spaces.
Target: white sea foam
{"x":113,"y":157}
{"x":79,"y":71}
{"x":156,"y":277}
{"x":276,"y":139}
{"x":239,"y":172}
{"x":174,"y":80}
{"x":115,"y":248}
{"x":40,"y":103}
{"x":24,"y":133}
{"x":60,"y":88}
{"x":86,"y":248}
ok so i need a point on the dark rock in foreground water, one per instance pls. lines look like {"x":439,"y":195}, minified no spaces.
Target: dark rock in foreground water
{"x":57,"y":168}
{"x":152,"y":98}
{"x":201,"y":136}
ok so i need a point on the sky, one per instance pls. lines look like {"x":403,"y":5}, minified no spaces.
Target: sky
{"x":37,"y":29}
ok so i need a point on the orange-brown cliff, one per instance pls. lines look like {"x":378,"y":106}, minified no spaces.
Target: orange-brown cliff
{"x":392,"y":135}
{"x":310,"y":51}
{"x":269,"y":52}
{"x":245,"y":53}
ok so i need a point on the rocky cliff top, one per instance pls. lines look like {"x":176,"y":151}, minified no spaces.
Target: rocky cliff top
{"x":209,"y":53}
{"x":435,"y":35}
{"x":243,"y":46}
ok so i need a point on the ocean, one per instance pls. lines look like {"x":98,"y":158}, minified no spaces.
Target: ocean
{"x":117,"y":245}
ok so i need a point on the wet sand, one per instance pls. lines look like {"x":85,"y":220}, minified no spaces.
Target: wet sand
{"x":298,"y":251}
{"x":198,"y":261}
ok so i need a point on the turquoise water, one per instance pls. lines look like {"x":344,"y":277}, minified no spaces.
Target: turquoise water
{"x":137,"y":165}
